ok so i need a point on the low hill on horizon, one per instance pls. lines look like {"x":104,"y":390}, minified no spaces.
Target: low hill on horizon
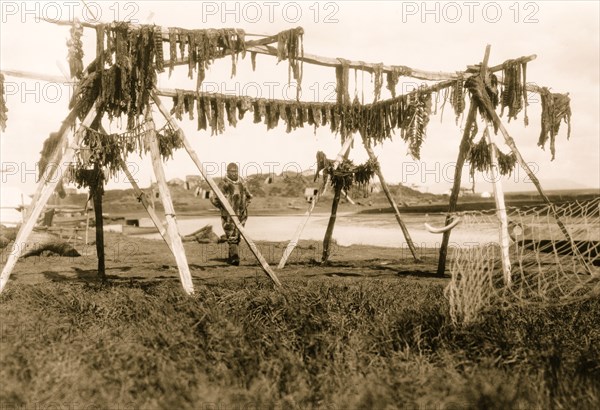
{"x":271,"y":194}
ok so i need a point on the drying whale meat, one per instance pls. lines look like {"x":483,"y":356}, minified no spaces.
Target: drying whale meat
{"x":3,"y":108}
{"x":555,"y":108}
{"x":75,"y":45}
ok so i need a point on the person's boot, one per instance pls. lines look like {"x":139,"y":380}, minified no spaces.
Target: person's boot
{"x":234,"y":258}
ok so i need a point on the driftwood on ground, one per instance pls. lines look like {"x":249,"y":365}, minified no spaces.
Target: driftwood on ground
{"x":38,"y":242}
{"x":202,"y":235}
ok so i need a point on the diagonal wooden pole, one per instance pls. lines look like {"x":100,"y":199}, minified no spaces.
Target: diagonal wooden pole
{"x":141,"y":196}
{"x":165,"y":196}
{"x":53,"y":164}
{"x":392,"y":202}
{"x":294,"y":241}
{"x":267,"y":269}
{"x":46,"y":187}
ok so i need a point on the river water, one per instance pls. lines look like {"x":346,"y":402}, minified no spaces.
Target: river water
{"x":350,"y":229}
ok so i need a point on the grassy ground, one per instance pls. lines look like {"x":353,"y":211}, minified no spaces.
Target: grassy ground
{"x":368,"y":331}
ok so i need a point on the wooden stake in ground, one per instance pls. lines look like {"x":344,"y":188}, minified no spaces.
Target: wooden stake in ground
{"x":500,"y":209}
{"x":329,"y":232}
{"x":46,"y":188}
{"x":392,"y":202}
{"x":267,"y":269}
{"x":96,"y":191}
{"x":165,"y":196}
{"x":294,"y":241}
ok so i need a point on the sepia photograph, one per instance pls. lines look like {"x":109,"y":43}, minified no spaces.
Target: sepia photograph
{"x":328,"y":205}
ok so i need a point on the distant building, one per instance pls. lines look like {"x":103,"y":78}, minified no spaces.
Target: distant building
{"x":192,"y":181}
{"x":486,"y":195}
{"x":310,"y":194}
{"x":176,"y":182}
{"x":203,"y":193}
{"x":462,"y":192}
{"x":374,"y":188}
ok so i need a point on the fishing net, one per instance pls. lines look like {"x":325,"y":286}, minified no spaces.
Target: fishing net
{"x":547,"y":267}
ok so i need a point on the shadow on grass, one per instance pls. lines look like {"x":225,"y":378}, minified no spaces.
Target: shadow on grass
{"x":422,"y":274}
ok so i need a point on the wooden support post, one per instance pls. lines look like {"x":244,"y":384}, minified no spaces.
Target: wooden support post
{"x":96,"y":192}
{"x":332,"y":218}
{"x":47,"y":188}
{"x":165,"y":196}
{"x":329,"y":232}
{"x":460,"y":162}
{"x":390,"y":198}
{"x":87,"y":220}
{"x":266,"y":268}
{"x":500,"y":209}
{"x":141,"y":196}
{"x":294,"y":241}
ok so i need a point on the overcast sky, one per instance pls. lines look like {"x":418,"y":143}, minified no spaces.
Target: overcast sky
{"x":435,"y":36}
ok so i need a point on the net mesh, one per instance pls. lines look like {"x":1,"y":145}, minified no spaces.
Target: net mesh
{"x":546,"y":266}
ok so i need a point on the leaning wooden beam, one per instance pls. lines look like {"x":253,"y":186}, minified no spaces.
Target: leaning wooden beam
{"x":53,"y":161}
{"x":294,"y":241}
{"x":460,"y":162}
{"x":48,"y":186}
{"x":165,"y":196}
{"x":141,"y":196}
{"x":392,"y":202}
{"x":481,"y":96}
{"x":500,"y":209}
{"x":216,"y":190}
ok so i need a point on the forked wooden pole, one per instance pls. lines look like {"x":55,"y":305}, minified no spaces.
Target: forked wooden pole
{"x":392,"y":202}
{"x":165,"y":196}
{"x":267,"y":269}
{"x":332,"y":218}
{"x":97,"y":191}
{"x":46,"y":188}
{"x":460,"y":162}
{"x":500,"y":209}
{"x":294,"y":241}
{"x":141,"y":196}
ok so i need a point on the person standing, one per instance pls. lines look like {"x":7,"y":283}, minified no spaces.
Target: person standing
{"x":236,"y":191}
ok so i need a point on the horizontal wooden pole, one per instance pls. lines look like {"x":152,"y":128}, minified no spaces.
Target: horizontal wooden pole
{"x":259,"y":46}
